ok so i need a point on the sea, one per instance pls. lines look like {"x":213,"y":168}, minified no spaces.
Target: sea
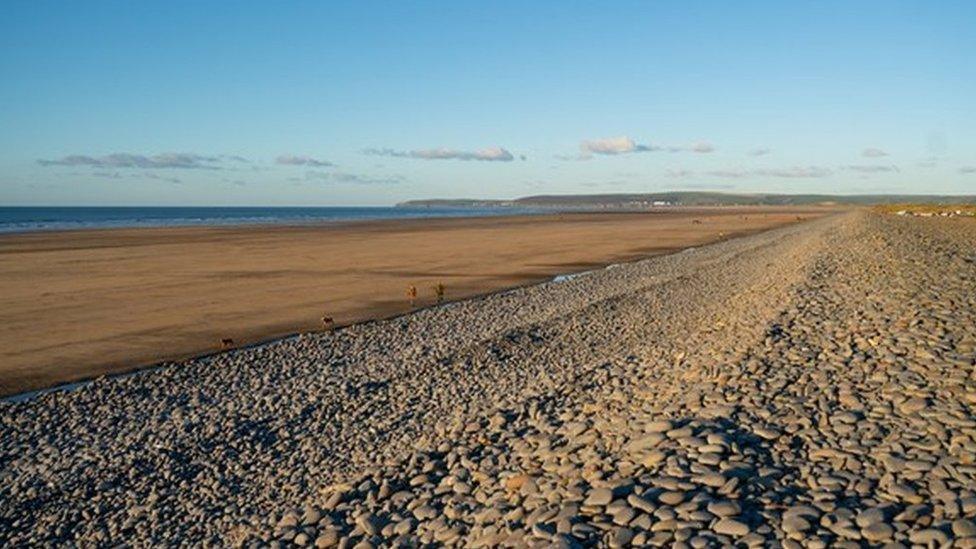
{"x":28,"y":219}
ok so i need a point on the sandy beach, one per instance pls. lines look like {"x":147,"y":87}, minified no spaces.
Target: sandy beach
{"x":79,"y":304}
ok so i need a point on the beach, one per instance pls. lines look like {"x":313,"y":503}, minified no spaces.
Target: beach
{"x":523,"y":275}
{"x":79,"y":304}
{"x":808,"y":385}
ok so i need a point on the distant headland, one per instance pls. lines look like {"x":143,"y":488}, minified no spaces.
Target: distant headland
{"x":682,"y":198}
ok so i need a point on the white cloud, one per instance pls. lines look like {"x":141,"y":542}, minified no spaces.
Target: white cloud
{"x":967,"y":169}
{"x":490,"y":154}
{"x":351,"y":178}
{"x":762,"y":151}
{"x":731,"y":174}
{"x":799,"y":172}
{"x":701,"y":147}
{"x":164,"y":178}
{"x":612,"y":146}
{"x":128,"y":160}
{"x":872,"y":168}
{"x":788,"y":173}
{"x":873,"y":153}
{"x":710,"y":186}
{"x":108,"y":175}
{"x":300,"y":160}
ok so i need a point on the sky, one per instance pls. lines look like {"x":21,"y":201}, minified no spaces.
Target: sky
{"x":371,"y":103}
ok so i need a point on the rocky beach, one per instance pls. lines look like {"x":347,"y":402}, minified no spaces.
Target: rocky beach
{"x":808,"y":386}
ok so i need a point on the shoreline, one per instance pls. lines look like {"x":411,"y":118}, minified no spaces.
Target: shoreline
{"x":557,"y":279}
{"x":207,"y":217}
{"x":466,"y":277}
{"x":79,"y":383}
{"x":520,"y":213}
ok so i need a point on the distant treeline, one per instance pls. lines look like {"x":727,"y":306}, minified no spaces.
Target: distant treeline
{"x":582,"y":201}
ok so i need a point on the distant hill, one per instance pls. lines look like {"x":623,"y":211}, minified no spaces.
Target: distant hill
{"x":456,"y":203}
{"x":681,"y":198}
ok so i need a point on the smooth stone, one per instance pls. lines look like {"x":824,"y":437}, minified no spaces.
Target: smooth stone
{"x":929,"y":536}
{"x":964,"y":528}
{"x":879,"y":531}
{"x":682,"y":432}
{"x":621,"y":537}
{"x":641,"y":503}
{"x":644,"y":443}
{"x":654,"y":457}
{"x":724,"y":508}
{"x":795,"y":524}
{"x":869,"y":517}
{"x":766,"y":433}
{"x":731,"y":527}
{"x":424,"y":512}
{"x":403,"y":527}
{"x":599,"y":497}
{"x":671,"y":498}
{"x":660,"y":426}
{"x":328,"y":538}
{"x":904,"y":492}
{"x":623,"y":516}
{"x":713,"y":480}
{"x":370,"y":523}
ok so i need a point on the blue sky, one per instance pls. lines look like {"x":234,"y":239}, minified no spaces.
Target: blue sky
{"x":369,"y":103}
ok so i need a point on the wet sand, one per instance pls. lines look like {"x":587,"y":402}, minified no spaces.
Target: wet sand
{"x":79,"y":304}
